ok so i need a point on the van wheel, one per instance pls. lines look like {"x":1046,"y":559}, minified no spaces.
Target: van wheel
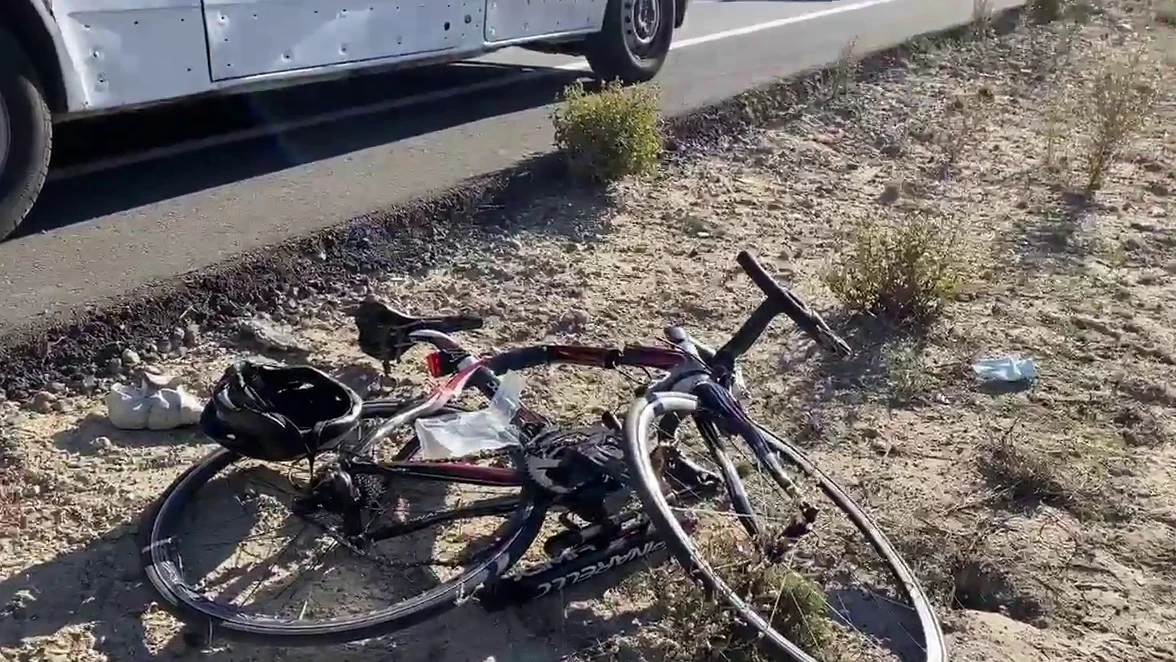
{"x":26,"y":135}
{"x":633,"y":43}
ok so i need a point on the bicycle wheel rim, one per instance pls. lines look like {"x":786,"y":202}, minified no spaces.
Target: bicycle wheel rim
{"x":639,"y":423}
{"x":163,"y":571}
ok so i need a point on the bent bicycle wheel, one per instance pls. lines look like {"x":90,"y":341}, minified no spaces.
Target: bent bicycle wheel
{"x":793,"y":596}
{"x":288,"y":577}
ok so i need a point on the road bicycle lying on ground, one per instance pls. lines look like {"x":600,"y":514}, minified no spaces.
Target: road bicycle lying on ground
{"x":359,"y":487}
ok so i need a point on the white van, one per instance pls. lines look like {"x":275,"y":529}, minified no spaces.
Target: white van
{"x":63,"y":59}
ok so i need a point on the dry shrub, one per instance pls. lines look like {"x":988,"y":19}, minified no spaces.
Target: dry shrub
{"x":1120,"y":100}
{"x":694,"y":626}
{"x":838,"y":79}
{"x":965,"y":117}
{"x":982,"y":15}
{"x":611,"y":134}
{"x":903,"y":272}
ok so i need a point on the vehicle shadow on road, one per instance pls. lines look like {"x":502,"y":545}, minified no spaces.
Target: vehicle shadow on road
{"x":498,"y":90}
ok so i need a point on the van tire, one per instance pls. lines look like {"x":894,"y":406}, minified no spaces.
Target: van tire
{"x":623,"y":50}
{"x":27,"y":135}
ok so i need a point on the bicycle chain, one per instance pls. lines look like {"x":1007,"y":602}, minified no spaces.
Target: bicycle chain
{"x":553,"y":446}
{"x":344,"y":541}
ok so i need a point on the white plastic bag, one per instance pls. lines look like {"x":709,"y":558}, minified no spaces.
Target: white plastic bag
{"x":1006,"y":369}
{"x":467,"y":433}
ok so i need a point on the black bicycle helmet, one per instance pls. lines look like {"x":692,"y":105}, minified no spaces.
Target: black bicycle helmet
{"x":278,"y":413}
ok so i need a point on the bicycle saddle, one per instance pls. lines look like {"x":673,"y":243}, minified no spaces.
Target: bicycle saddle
{"x":384,"y":331}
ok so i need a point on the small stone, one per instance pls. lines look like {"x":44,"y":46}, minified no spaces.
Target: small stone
{"x":88,"y":384}
{"x":130,"y":358}
{"x":57,"y":387}
{"x":264,"y":333}
{"x":514,"y":244}
{"x":114,"y":367}
{"x":43,"y":402}
{"x":1157,"y":212}
{"x":101,"y":443}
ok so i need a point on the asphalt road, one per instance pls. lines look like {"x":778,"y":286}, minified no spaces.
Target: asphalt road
{"x":354,"y":146}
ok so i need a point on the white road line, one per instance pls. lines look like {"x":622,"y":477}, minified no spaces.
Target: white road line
{"x":427,"y":97}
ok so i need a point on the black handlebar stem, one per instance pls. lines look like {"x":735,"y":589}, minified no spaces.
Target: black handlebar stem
{"x":779,"y":300}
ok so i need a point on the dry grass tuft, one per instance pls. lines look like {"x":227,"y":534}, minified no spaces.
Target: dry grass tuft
{"x":982,"y":15}
{"x":694,"y":626}
{"x":1119,"y":102}
{"x":10,"y":488}
{"x":609,"y":135}
{"x":838,"y":79}
{"x":1059,"y":474}
{"x":966,"y":116}
{"x":903,"y":273}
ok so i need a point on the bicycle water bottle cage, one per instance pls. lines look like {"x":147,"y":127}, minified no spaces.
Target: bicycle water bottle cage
{"x":384,"y":331}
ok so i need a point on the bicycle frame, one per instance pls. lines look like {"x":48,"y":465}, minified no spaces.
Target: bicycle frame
{"x":577,"y":563}
{"x":693,"y":368}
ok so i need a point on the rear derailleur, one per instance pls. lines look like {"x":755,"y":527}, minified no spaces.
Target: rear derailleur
{"x":336,"y":491}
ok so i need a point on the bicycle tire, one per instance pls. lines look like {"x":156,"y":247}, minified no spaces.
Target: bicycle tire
{"x":641,"y":419}
{"x":212,"y":620}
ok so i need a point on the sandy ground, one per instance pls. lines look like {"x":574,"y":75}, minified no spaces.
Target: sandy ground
{"x":1042,"y":519}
